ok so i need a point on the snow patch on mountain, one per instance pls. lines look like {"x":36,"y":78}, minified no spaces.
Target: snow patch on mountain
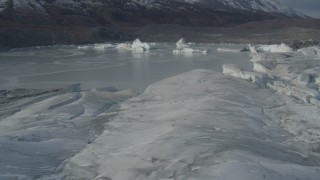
{"x":269,"y":6}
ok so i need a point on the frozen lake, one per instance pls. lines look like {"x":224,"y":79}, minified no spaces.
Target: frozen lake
{"x":63,"y":65}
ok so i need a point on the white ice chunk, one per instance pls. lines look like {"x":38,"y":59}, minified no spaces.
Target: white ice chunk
{"x":123,"y":46}
{"x":185,"y":48}
{"x":189,"y":51}
{"x":228,"y":50}
{"x":96,"y":47}
{"x":139,"y":46}
{"x":136,"y":46}
{"x":85,"y":47}
{"x":102,"y":47}
{"x":182,"y":43}
{"x":276,"y":48}
{"x":252,"y":49}
{"x":236,"y":71}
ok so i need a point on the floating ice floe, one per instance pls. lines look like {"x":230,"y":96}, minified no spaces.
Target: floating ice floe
{"x":96,"y":47}
{"x":182,"y":47}
{"x":102,"y":47}
{"x":189,"y":51}
{"x":228,"y":50}
{"x":85,"y":47}
{"x":124,"y":46}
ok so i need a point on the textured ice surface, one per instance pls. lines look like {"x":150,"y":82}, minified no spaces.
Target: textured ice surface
{"x":40,"y":129}
{"x":263,"y":124}
{"x":297,"y":75}
{"x":275,"y":48}
{"x":312,"y":52}
{"x":198,"y":125}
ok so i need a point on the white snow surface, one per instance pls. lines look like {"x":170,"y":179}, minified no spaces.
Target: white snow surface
{"x":202,"y":125}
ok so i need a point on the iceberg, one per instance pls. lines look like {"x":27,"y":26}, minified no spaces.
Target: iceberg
{"x":182,"y":47}
{"x":182,"y":43}
{"x":135,"y":46}
{"x":138,"y":46}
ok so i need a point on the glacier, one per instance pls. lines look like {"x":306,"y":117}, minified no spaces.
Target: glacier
{"x":240,"y":123}
{"x":200,"y":125}
{"x":250,"y":125}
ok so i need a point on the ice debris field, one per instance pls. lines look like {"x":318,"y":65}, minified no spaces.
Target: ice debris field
{"x":240,"y":124}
